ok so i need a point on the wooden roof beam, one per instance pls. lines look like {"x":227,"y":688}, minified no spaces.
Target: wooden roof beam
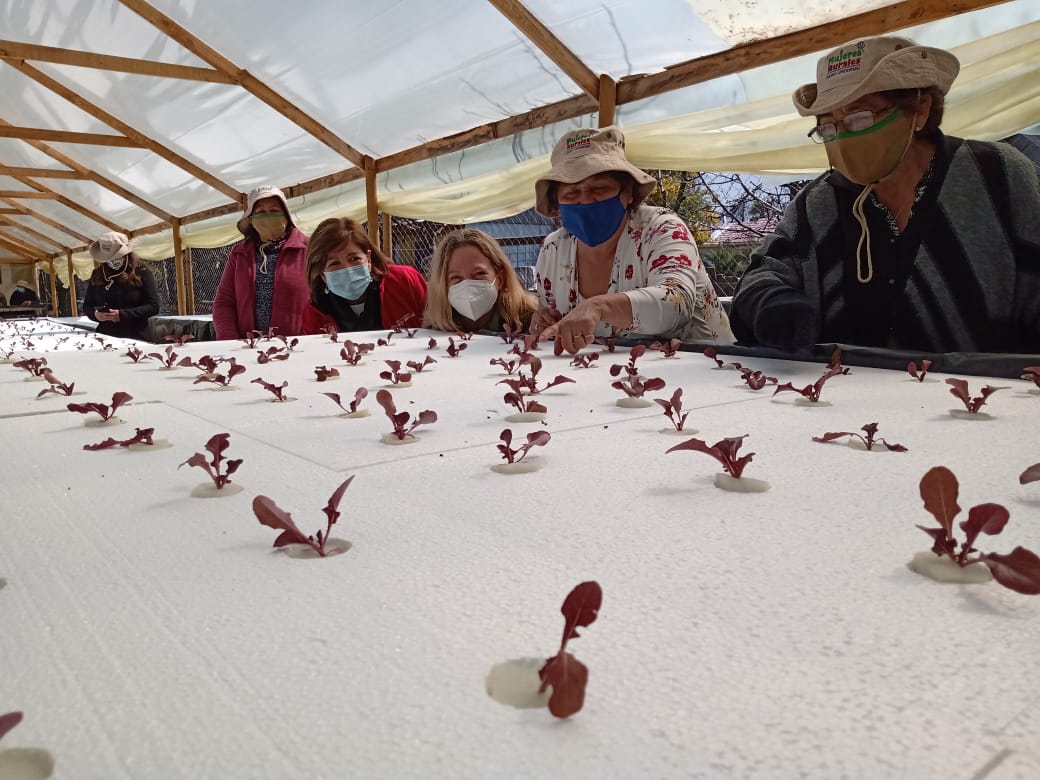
{"x":40,"y":173}
{"x":10,"y":50}
{"x":74,"y":205}
{"x":17,"y":249}
{"x":551,"y":46}
{"x":64,"y":136}
{"x":22,"y":194}
{"x":28,"y":246}
{"x":755,"y":54}
{"x":28,"y":212}
{"x":42,"y":236}
{"x":244,"y":78}
{"x":145,"y":141}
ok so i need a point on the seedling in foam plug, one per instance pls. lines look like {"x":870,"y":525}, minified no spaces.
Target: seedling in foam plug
{"x":959,"y":389}
{"x":636,"y":387}
{"x":566,"y":674}
{"x":252,"y":337}
{"x":668,"y":349}
{"x":34,"y":366}
{"x":352,"y":353}
{"x":216,"y":446}
{"x":104,"y":411}
{"x":528,"y":384}
{"x":534,"y":439}
{"x":1032,"y":374}
{"x":870,"y":429}
{"x":278,"y":391}
{"x":629,"y":368}
{"x":355,"y":406}
{"x":432,"y":343}
{"x":756,"y":380}
{"x":508,"y":335}
{"x":331,"y":331}
{"x":610,"y":343}
{"x":273,"y":516}
{"x":205,"y":364}
{"x":918,"y":373}
{"x":402,"y":430}
{"x":288,"y":344}
{"x":523,"y":404}
{"x":135,"y":354}
{"x":418,"y":367}
{"x":402,"y":326}
{"x":713,"y":354}
{"x":168,"y":357}
{"x":724,"y":451}
{"x":272,"y":353}
{"x":673,"y":409}
{"x":323,"y":373}
{"x":141,"y":436}
{"x":585,"y":360}
{"x":180,"y":340}
{"x":454,"y":350}
{"x":385,"y":342}
{"x":395,"y":375}
{"x":234,"y":368}
{"x":463,"y":335}
{"x":812,"y":392}
{"x":57,"y":387}
{"x":1019,"y":570}
{"x":1031,"y":474}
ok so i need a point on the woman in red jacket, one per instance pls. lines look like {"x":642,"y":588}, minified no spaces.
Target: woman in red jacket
{"x":264,"y":284}
{"x":356,"y":287}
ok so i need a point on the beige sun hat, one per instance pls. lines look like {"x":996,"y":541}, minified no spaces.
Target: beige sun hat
{"x":874,"y":65}
{"x":582,"y":153}
{"x":259,"y":193}
{"x":110,"y":246}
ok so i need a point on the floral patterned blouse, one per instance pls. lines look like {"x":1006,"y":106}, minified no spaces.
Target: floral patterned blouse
{"x":656,"y":265}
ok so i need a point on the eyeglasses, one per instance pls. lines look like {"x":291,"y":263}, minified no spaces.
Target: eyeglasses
{"x":856,"y":122}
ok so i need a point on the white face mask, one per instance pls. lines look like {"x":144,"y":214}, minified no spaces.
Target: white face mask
{"x":473,"y":298}
{"x":117,"y":263}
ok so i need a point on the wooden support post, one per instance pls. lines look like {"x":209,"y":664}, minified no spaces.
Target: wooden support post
{"x":607,"y":100}
{"x":178,"y":267}
{"x":372,"y":200}
{"x":73,"y":303}
{"x":189,"y":280}
{"x":388,"y":235}
{"x":54,"y":289}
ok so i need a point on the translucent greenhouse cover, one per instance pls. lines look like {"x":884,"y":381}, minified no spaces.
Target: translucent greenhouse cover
{"x":386,"y":77}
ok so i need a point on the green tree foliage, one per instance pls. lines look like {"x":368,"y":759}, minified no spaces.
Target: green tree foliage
{"x":683,"y":193}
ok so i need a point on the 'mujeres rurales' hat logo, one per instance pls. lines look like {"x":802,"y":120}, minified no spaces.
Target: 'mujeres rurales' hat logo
{"x":578,"y":141}
{"x":844,"y":61}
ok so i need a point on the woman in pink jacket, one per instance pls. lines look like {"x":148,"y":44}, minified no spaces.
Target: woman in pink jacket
{"x":264,"y":284}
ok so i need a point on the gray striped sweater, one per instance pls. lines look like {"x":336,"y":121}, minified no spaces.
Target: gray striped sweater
{"x":963,"y":277}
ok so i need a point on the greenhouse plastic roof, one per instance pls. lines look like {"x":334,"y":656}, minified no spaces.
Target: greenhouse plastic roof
{"x":366,"y":82}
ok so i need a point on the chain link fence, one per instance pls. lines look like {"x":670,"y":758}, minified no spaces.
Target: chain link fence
{"x":207,"y":266}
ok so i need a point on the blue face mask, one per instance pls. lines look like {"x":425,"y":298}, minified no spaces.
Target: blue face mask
{"x":349,"y":283}
{"x":593,"y":223}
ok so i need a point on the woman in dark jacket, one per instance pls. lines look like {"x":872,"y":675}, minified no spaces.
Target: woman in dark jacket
{"x":121,"y":294}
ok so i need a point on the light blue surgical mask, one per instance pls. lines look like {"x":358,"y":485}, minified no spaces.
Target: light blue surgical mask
{"x":593,"y":223}
{"x":349,"y":283}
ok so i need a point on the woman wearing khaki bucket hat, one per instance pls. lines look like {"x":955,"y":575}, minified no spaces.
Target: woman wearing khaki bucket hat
{"x":914,"y":240}
{"x":616,"y":265}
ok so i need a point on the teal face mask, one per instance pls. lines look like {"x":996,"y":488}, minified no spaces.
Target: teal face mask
{"x":349,"y":283}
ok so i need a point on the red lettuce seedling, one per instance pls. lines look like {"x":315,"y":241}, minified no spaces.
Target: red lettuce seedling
{"x":35,"y":366}
{"x":168,"y":357}
{"x":224,"y":380}
{"x":431,"y":344}
{"x":523,"y":404}
{"x":566,"y":674}
{"x":673,"y":409}
{"x":508,"y":335}
{"x":754,"y":379}
{"x":352,"y":353}
{"x":455,"y":350}
{"x":418,"y":367}
{"x":323,"y":373}
{"x":278,"y":391}
{"x":215,"y":446}
{"x":629,"y":368}
{"x":251,"y":338}
{"x":1031,"y":474}
{"x":400,"y":419}
{"x":535,"y":439}
{"x":395,"y":375}
{"x":868,"y":441}
{"x":205,"y":364}
{"x":56,"y":386}
{"x":528,"y":384}
{"x":1019,"y":570}
{"x":135,"y":354}
{"x":585,"y":360}
{"x":385,"y":342}
{"x":812,"y":392}
{"x":610,"y":343}
{"x":288,"y":344}
{"x":1032,"y":373}
{"x":271,"y":515}
{"x":272,"y":353}
{"x":105,"y":411}
{"x":331,"y":331}
{"x":401,"y":327}
{"x":713,"y":354}
{"x":636,"y":387}
{"x":141,"y":436}
{"x":463,"y":335}
{"x":507,"y":365}
{"x":918,"y":373}
{"x":180,"y":340}
{"x":725,"y":452}
{"x":359,"y":395}
{"x":9,"y":721}
{"x":959,"y":389}
{"x":668,"y":348}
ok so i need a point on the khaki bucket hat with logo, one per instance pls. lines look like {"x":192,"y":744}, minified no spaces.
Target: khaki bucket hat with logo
{"x":585,"y":152}
{"x":259,"y":193}
{"x":874,"y":65}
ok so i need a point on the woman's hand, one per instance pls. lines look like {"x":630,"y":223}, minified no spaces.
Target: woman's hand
{"x":577,"y":328}
{"x":109,"y":315}
{"x":542,"y":319}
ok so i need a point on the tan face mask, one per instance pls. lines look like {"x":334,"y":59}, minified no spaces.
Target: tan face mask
{"x":867,"y":156}
{"x":270,"y":227}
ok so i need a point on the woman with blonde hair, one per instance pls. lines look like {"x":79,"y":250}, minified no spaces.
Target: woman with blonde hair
{"x":354,"y":286}
{"x":473,"y":286}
